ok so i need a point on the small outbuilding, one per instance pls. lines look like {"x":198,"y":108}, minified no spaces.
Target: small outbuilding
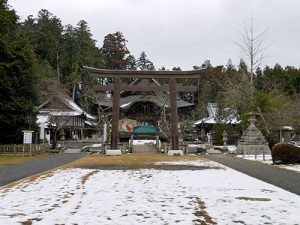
{"x":60,"y":118}
{"x":205,"y":125}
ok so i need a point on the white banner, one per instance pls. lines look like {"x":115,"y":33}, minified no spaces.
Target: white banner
{"x":27,"y":137}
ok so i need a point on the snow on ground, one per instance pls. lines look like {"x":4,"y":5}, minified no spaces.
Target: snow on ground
{"x":268,"y":160}
{"x":294,"y":167}
{"x":148,"y":196}
{"x":264,"y":159}
{"x":142,"y":142}
{"x":199,"y":163}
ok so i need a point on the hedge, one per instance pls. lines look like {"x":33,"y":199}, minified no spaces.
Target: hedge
{"x":285,"y":153}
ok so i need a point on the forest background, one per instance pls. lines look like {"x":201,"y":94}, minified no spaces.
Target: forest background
{"x":40,"y":56}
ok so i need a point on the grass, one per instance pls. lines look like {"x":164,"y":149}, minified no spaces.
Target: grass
{"x":127,"y":160}
{"x":7,"y":160}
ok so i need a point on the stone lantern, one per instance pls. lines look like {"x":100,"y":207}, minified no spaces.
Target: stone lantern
{"x":252,"y":140}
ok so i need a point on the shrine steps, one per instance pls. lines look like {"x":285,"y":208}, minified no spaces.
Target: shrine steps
{"x":145,"y":148}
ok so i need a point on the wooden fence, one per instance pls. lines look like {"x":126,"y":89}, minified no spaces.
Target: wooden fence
{"x":24,"y":150}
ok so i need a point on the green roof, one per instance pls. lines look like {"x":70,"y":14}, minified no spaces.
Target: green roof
{"x":144,"y":130}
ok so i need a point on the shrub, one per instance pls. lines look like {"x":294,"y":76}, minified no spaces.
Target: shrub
{"x":285,"y":153}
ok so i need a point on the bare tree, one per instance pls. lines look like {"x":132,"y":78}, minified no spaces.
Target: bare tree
{"x":56,"y":123}
{"x":104,"y":113}
{"x":251,"y":41}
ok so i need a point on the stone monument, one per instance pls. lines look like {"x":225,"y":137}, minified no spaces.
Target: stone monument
{"x":252,"y":140}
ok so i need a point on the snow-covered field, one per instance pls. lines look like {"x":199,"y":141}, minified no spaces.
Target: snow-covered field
{"x":148,"y":196}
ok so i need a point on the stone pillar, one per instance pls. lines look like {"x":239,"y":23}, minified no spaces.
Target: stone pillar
{"x":174,"y":122}
{"x":104,"y":138}
{"x":115,"y":119}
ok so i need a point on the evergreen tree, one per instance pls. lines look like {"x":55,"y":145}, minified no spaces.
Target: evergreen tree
{"x":86,"y":54}
{"x":243,"y":69}
{"x":131,"y":63}
{"x":114,"y":51}
{"x":18,"y":90}
{"x":206,"y":64}
{"x":143,"y":63}
{"x":294,"y":73}
{"x":176,"y":68}
{"x":78,"y":49}
{"x":48,"y":37}
{"x":258,"y":79}
{"x":230,"y":66}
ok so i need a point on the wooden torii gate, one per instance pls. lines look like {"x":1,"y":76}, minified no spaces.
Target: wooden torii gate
{"x":117,"y":87}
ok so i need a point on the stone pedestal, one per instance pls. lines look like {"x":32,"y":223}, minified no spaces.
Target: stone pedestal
{"x":252,"y":140}
{"x":175,"y":152}
{"x":113,"y":152}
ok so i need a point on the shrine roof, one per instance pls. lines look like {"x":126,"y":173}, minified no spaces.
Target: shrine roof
{"x":127,"y":102}
{"x":71,"y":108}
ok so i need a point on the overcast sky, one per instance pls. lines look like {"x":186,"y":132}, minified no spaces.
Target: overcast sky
{"x":183,"y":32}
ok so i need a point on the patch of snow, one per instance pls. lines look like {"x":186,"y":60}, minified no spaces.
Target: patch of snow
{"x":125,"y":105}
{"x":148,"y":196}
{"x":142,"y":142}
{"x":268,"y":160}
{"x":231,"y":148}
{"x":214,"y":151}
{"x":42,"y":119}
{"x":193,"y":163}
{"x":294,"y":167}
{"x":287,"y":128}
{"x":65,"y":113}
{"x":196,"y":145}
{"x":264,"y":159}
{"x":78,"y":109}
{"x":96,"y":145}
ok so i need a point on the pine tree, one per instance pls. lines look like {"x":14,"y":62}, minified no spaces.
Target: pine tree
{"x":18,"y":88}
{"x":143,"y":63}
{"x":114,"y":51}
{"x":131,"y":63}
{"x":48,"y":37}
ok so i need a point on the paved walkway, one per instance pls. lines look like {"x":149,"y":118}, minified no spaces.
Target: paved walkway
{"x":16,"y":172}
{"x":283,"y":178}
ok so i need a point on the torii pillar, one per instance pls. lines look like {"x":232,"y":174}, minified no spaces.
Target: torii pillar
{"x":115,"y":119}
{"x":173,"y":120}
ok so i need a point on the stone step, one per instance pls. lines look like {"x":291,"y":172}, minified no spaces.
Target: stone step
{"x":144,"y":148}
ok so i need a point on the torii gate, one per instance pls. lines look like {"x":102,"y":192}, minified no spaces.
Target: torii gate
{"x":117,"y":87}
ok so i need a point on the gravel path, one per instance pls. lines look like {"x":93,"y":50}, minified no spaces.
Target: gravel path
{"x":283,"y":178}
{"x":16,"y":172}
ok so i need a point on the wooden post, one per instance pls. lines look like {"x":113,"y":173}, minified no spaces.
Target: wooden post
{"x":173,"y":122}
{"x":115,"y":114}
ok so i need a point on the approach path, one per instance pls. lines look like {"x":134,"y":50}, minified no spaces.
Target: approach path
{"x":283,"y":178}
{"x":11,"y":173}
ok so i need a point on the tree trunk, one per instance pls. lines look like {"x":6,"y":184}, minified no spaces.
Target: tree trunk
{"x":264,"y":121}
{"x":54,"y":140}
